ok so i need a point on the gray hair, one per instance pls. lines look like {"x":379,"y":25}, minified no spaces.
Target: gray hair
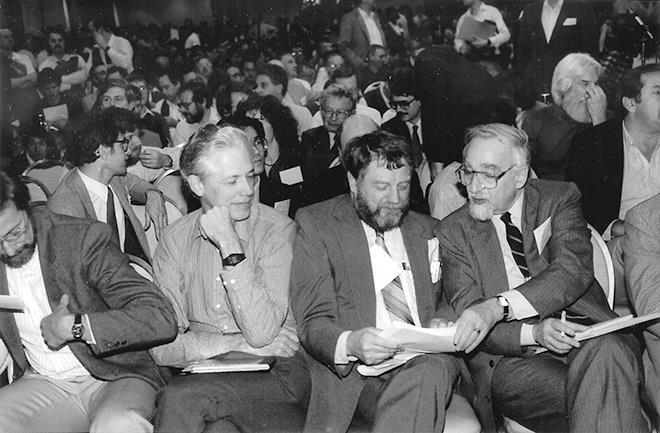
{"x":567,"y":69}
{"x":514,"y":137}
{"x":337,"y":90}
{"x":203,"y":142}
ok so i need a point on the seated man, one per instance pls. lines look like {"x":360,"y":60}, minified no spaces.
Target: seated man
{"x":226,"y":270}
{"x":514,"y":258}
{"x":641,"y":252}
{"x":342,"y":246}
{"x":99,"y":187}
{"x":79,"y":345}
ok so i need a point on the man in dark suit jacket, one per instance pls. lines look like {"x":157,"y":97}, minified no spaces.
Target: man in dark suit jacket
{"x":100,"y":153}
{"x":538,"y":52}
{"x":513,"y":258}
{"x":79,"y":345}
{"x":355,"y":36}
{"x":338,"y":305}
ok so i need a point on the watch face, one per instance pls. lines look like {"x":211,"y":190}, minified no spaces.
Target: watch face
{"x":77,"y":330}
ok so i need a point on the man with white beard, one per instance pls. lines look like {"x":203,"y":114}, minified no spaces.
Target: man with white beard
{"x":579,"y":104}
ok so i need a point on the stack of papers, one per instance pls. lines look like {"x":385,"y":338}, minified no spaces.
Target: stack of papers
{"x":230,"y":362}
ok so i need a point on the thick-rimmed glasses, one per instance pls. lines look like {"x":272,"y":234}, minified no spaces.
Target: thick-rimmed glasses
{"x":124,"y":143}
{"x":487,"y":180}
{"x":330,"y":113}
{"x":16,"y":234}
{"x":403,"y":104}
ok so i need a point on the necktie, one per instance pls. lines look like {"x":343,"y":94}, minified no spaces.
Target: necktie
{"x":395,"y":299}
{"x":515,"y":240}
{"x":334,"y":152}
{"x":416,"y":146}
{"x":110,"y":216}
{"x":165,"y":109}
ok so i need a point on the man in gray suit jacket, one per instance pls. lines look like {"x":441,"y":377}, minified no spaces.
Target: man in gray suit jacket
{"x":517,"y":255}
{"x":79,"y":344}
{"x":358,"y":30}
{"x":99,"y":150}
{"x":641,"y":253}
{"x":343,"y":248}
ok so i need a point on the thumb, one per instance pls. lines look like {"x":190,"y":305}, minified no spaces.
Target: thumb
{"x":64,"y":302}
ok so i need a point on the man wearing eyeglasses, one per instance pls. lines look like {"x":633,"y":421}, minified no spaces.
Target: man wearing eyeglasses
{"x":515,"y":258}
{"x":99,"y":188}
{"x":197,"y":108}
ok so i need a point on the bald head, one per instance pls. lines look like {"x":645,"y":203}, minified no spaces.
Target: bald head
{"x":356,"y":125}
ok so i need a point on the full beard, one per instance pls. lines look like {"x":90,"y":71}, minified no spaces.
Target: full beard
{"x":384,"y":218}
{"x":194,"y":118}
{"x":576,"y":110}
{"x":481,"y":212}
{"x":21,"y":257}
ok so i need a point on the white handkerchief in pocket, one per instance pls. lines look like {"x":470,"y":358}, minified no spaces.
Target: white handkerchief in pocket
{"x":542,"y":234}
{"x":570,"y":22}
{"x":291,"y":176}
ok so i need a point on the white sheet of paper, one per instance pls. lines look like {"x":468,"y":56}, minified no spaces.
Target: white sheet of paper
{"x":57,"y":112}
{"x":291,"y":176}
{"x":424,"y":340}
{"x":389,"y":269}
{"x":9,"y":302}
{"x":283,"y":206}
{"x":387,"y":365}
{"x":542,"y":234}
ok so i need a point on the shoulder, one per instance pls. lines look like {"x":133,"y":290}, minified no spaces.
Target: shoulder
{"x":182,"y":228}
{"x":268,"y":219}
{"x":429,"y":223}
{"x":553,"y":190}
{"x":455,"y":221}
{"x":71,"y":228}
{"x":313,"y":133}
{"x":321,"y":212}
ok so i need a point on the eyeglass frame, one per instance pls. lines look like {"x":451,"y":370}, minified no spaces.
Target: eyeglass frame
{"x":338,"y":113}
{"x":405,"y":105}
{"x":474,"y":173}
{"x":16,"y":233}
{"x":124,"y":143}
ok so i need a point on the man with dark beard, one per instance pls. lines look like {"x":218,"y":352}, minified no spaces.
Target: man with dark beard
{"x":341,"y":298}
{"x":515,"y":259}
{"x":79,"y":345}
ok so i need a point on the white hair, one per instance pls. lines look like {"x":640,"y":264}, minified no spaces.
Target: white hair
{"x":567,"y":69}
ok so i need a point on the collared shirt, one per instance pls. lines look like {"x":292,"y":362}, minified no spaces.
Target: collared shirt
{"x":397,"y":251}
{"x":485,"y":13}
{"x":77,"y":77}
{"x":373,"y":31}
{"x":217,"y":306}
{"x":184,"y":130}
{"x":549,"y":16}
{"x":641,"y":177}
{"x":335,"y":162}
{"x":519,"y":306}
{"x":98,"y":194}
{"x":410,"y":126}
{"x":120,"y":52}
{"x":27,"y":283}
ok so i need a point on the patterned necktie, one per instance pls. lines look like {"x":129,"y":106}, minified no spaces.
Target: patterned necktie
{"x":334,"y":152}
{"x":416,"y":146}
{"x":110,"y":216}
{"x":395,"y":299}
{"x":515,"y":240}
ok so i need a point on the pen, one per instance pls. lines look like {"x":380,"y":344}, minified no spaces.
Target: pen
{"x":563,"y":321}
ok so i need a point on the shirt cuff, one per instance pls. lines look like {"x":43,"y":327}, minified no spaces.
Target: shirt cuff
{"x":341,"y":357}
{"x":527,"y":335}
{"x":519,"y":306}
{"x":88,"y":328}
{"x":607,"y":234}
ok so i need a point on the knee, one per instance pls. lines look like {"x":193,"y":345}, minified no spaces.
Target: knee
{"x":176,"y":394}
{"x":434,"y":368}
{"x":112,"y":420}
{"x":612,"y":348}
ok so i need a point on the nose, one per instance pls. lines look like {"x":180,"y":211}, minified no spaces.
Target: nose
{"x":394,"y":196}
{"x":247,"y":187}
{"x":8,"y":248}
{"x":475,"y":186}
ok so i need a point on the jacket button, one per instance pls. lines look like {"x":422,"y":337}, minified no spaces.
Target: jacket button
{"x":110,"y":344}
{"x":491,"y":363}
{"x":123,"y":342}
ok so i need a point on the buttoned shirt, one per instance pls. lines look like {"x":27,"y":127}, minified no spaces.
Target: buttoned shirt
{"x":485,"y":13}
{"x":98,"y":194}
{"x":397,"y":251}
{"x":215,"y":304}
{"x":641,"y":177}
{"x":27,"y":283}
{"x":549,"y":16}
{"x":375,"y":37}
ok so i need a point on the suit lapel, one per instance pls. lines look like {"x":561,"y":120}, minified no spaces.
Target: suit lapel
{"x":353,"y":243}
{"x":76,"y":183}
{"x":560,"y":21}
{"x":487,"y":252}
{"x":8,"y":328}
{"x":47,"y":272}
{"x":122,"y":194}
{"x":362,"y":25}
{"x":415,"y":241}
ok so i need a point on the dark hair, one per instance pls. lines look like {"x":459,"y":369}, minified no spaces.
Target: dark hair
{"x":171,"y":73}
{"x":344,"y":71}
{"x":123,"y":73}
{"x":391,"y":14}
{"x":403,"y":86}
{"x":236,"y":87}
{"x":285,"y":126}
{"x":48,"y":76}
{"x":631,"y":84}
{"x":11,"y":189}
{"x":199,"y":91}
{"x":391,"y":149}
{"x":99,"y":130}
{"x":276,"y":74}
{"x":136,"y":76}
{"x":133,"y":93}
{"x":243,"y":122}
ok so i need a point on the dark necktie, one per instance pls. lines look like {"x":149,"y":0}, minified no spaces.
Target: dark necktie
{"x":110,"y":216}
{"x":416,"y":145}
{"x":165,"y":109}
{"x":395,"y":299}
{"x":334,"y":151}
{"x":515,"y":240}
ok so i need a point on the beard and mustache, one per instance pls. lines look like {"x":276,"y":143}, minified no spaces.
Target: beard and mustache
{"x":384,"y":217}
{"x":22,"y":254}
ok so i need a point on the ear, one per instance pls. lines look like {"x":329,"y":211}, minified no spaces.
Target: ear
{"x":280,"y":89}
{"x":629,"y":104}
{"x":196,"y":185}
{"x":102,"y":151}
{"x":522,"y":174}
{"x":352,"y":183}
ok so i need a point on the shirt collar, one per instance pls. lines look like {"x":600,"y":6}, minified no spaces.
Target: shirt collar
{"x":556,"y":8}
{"x":627,"y":138}
{"x":94,"y":186}
{"x":515,"y":211}
{"x":364,"y":14}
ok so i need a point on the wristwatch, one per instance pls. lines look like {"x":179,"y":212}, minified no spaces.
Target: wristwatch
{"x":504,"y":304}
{"x":233,"y":259}
{"x":77,"y":330}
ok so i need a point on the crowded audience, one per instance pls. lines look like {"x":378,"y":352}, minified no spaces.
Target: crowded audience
{"x":222,"y":226}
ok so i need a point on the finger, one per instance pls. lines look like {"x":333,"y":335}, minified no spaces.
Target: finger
{"x":385,"y":344}
{"x":438,"y":323}
{"x":463,"y":330}
{"x":64,"y":302}
{"x":476,"y":342}
{"x":573,"y":327}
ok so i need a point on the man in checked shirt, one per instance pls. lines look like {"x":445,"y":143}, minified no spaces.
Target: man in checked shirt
{"x":225,"y":268}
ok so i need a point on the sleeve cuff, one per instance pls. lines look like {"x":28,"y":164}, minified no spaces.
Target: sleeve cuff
{"x":519,"y":306}
{"x":89,"y":335}
{"x":341,"y":357}
{"x":527,"y":335}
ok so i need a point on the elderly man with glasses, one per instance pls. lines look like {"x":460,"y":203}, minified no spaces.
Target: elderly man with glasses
{"x":515,"y":258}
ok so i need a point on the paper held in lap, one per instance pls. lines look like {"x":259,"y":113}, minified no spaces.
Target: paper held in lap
{"x":230,"y":362}
{"x":417,"y":341}
{"x":472,"y":28}
{"x":609,"y":326}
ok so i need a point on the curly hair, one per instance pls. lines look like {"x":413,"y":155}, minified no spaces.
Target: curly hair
{"x":280,"y":117}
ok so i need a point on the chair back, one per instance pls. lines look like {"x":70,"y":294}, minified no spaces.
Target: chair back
{"x":603,"y":265}
{"x":140,"y":266}
{"x":376,"y":96}
{"x":174,"y":212}
{"x":48,"y":171}
{"x":171,"y":184}
{"x":38,"y":191}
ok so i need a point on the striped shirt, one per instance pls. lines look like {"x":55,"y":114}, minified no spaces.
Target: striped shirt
{"x":224,"y":309}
